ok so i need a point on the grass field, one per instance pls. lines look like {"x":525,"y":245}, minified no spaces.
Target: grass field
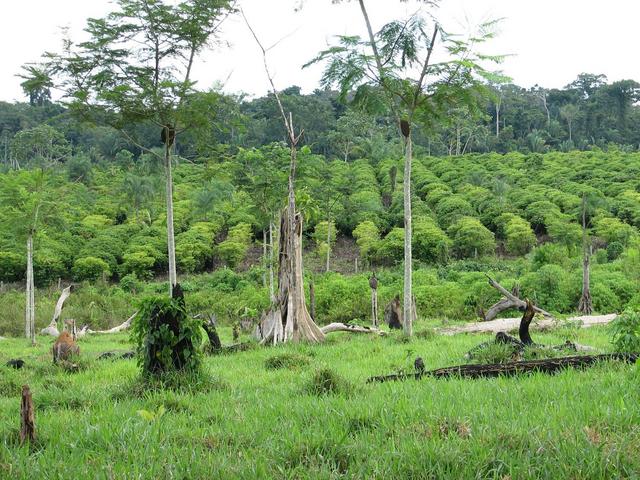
{"x":253,"y":420}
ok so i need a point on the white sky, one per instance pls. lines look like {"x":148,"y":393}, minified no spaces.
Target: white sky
{"x":551,"y":41}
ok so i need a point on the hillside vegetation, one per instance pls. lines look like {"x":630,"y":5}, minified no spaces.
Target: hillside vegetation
{"x":516,"y":216}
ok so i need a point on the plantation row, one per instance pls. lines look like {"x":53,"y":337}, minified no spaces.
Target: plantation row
{"x":109,"y":222}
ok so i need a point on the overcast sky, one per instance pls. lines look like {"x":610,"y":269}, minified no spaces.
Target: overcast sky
{"x":551,"y":41}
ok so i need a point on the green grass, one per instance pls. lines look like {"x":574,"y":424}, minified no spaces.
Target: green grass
{"x":251,"y":421}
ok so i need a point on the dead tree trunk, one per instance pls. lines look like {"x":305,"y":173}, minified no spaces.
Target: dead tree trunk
{"x":27,"y":417}
{"x":30,"y":322}
{"x":508,"y":302}
{"x":373,"y":283}
{"x":312,"y":300}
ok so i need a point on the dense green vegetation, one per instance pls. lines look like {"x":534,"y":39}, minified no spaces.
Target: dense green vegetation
{"x":298,"y":412}
{"x":514,"y":215}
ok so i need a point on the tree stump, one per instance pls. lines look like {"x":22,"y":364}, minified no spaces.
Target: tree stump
{"x":393,"y":314}
{"x":27,"y":417}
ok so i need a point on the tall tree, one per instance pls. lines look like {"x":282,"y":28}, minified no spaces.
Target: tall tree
{"x":381,"y":72}
{"x":569,"y":112}
{"x":136,"y":68}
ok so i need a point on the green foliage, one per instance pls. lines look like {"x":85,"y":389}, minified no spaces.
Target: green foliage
{"x":234,"y":248}
{"x":367,"y":238}
{"x":139,"y":264}
{"x":520,"y":238}
{"x":430,"y":244}
{"x":90,"y":268}
{"x":12,"y":267}
{"x":625,"y":332}
{"x":471,"y":238}
{"x":391,"y":248}
{"x":614,"y":250}
{"x":286,"y":360}
{"x":166,"y":338}
{"x":327,"y":382}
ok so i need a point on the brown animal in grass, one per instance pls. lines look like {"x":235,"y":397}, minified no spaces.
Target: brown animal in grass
{"x":64,"y":347}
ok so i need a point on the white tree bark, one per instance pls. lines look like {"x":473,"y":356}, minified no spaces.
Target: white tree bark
{"x":30,"y":310}
{"x":407,"y":304}
{"x":272,"y":294}
{"x":120,"y":328}
{"x":328,"y":244}
{"x":374,"y":307}
{"x":173,"y":277}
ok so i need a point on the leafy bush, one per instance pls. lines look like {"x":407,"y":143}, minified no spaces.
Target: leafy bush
{"x":519,"y":235}
{"x":166,"y":338}
{"x":391,"y":248}
{"x":471,"y":238}
{"x":234,"y":248}
{"x":367,"y":238}
{"x":12,"y":267}
{"x":286,"y":360}
{"x":130,"y":283}
{"x":47,"y":267}
{"x":138,"y":263}
{"x":90,"y":268}
{"x":614,"y":250}
{"x":625,"y":332}
{"x":429,"y":242}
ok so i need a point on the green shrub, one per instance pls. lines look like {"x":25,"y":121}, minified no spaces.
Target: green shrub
{"x":47,"y":267}
{"x":90,"y":268}
{"x":286,"y":360}
{"x":166,"y":338}
{"x":367,"y":238}
{"x":325,"y":382}
{"x":130,"y":283}
{"x":429,"y":242}
{"x":549,"y":254}
{"x":471,"y":238}
{"x":138,"y":263}
{"x":614,"y":250}
{"x":625,"y":332}
{"x":391,"y":248}
{"x":12,"y":267}
{"x":519,"y":236}
{"x":233,"y":250}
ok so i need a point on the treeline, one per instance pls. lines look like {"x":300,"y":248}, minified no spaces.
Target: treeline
{"x":587,"y":114}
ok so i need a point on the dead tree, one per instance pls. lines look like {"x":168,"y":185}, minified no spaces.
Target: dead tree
{"x":509,"y":301}
{"x":27,"y":417}
{"x":52,"y":328}
{"x":585,"y":305}
{"x":373,"y":283}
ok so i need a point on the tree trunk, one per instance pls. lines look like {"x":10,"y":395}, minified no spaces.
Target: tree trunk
{"x":265,"y":258}
{"x":30,"y":311}
{"x":272,"y":294}
{"x":374,"y":307}
{"x":585,"y":306}
{"x":173,"y":277}
{"x":407,"y":307}
{"x":328,"y":244}
{"x":312,"y":300}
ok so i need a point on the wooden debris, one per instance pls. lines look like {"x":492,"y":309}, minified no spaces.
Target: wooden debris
{"x":509,"y":301}
{"x":549,"y":365}
{"x":27,"y":417}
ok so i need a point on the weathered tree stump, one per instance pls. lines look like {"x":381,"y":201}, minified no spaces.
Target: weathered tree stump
{"x":27,"y":417}
{"x":393,"y":314}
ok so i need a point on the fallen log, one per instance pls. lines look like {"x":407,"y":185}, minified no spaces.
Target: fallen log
{"x":345,"y":327}
{"x":236,"y":347}
{"x":120,"y":328}
{"x":549,"y":365}
{"x":509,"y":301}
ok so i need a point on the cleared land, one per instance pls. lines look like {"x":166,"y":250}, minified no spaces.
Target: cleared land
{"x":261,"y":417}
